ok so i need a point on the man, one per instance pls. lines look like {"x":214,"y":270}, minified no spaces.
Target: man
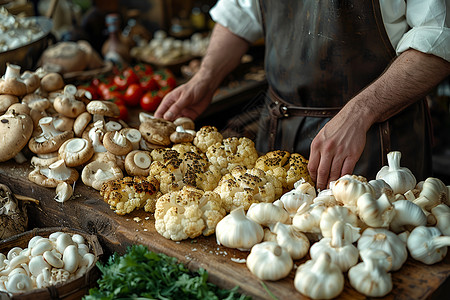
{"x":347,"y":78}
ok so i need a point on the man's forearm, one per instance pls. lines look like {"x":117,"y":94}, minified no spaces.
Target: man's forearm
{"x":409,"y":78}
{"x":223,"y":55}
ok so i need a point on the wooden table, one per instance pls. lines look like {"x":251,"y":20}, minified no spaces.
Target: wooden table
{"x":88,"y":212}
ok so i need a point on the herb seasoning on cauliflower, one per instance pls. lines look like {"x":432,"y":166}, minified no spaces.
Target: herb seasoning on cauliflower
{"x":131,"y":193}
{"x":180,"y":169}
{"x":242,"y":187}
{"x":232,"y":152}
{"x":288,"y":168}
{"x":207,"y":136}
{"x":188,"y":213}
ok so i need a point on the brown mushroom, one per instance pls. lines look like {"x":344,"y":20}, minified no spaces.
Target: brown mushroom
{"x":31,"y":80}
{"x":50,"y":139}
{"x":133,"y":135}
{"x":15,"y":131}
{"x":56,"y":173}
{"x":19,"y":108}
{"x":52,"y":82}
{"x":76,"y":151}
{"x":11,"y":83}
{"x":116,"y":143}
{"x":186,"y":122}
{"x":96,"y":173}
{"x":81,"y":122}
{"x":6,"y":101}
{"x":63,"y":123}
{"x":180,"y":135}
{"x":157,"y":131}
{"x":67,"y":105}
{"x":100,"y":109}
{"x":137,"y":163}
{"x":36,"y":101}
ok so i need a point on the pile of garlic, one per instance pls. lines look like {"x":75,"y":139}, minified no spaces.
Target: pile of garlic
{"x":357,"y":228}
{"x":46,"y":261}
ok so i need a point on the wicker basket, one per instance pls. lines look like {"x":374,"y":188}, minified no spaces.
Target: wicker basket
{"x":74,"y":289}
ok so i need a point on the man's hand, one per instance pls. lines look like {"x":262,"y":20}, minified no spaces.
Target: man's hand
{"x":336,"y":148}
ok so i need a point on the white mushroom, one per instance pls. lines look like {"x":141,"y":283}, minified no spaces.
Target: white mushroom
{"x":50,"y":139}
{"x":19,"y":283}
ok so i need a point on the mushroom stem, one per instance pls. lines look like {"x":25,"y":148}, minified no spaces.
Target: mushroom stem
{"x":12,"y":71}
{"x":48,"y":129}
{"x":20,"y":158}
{"x":59,"y":171}
{"x":119,"y":139}
{"x":142,"y":160}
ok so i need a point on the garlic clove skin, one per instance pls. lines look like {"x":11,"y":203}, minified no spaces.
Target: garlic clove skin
{"x":375,"y":212}
{"x":238,"y":231}
{"x":269,"y":261}
{"x":442,"y":214}
{"x":340,"y":213}
{"x":427,"y":244}
{"x":295,"y":242}
{"x":319,"y":278}
{"x":349,"y":188}
{"x":407,"y":216}
{"x":267,"y":213}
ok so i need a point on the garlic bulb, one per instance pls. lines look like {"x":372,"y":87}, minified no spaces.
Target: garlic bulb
{"x":375,"y":212}
{"x":295,"y":242}
{"x":442,"y":214}
{"x":389,"y":242}
{"x":407,"y":216}
{"x":339,"y":213}
{"x":267,"y":213}
{"x":434,"y":192}
{"x":349,"y":188}
{"x":319,"y":278}
{"x":269,"y":261}
{"x":343,"y":253}
{"x":303,"y":192}
{"x":400,"y":179}
{"x":236,"y":230}
{"x":371,"y":276}
{"x":381,"y":187}
{"x":307,"y":219}
{"x":427,"y":244}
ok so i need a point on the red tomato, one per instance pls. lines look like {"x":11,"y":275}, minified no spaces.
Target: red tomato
{"x":113,"y":95}
{"x":91,"y":89}
{"x":123,"y":112}
{"x":133,"y":94}
{"x":120,"y":82}
{"x":143,"y":70}
{"x":164,"y":91}
{"x":150,"y":101}
{"x":149,"y":84}
{"x":104,"y":89}
{"x":130,"y":76}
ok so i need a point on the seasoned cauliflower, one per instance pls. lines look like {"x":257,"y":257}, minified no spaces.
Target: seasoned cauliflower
{"x":242,"y":187}
{"x":188,"y":147}
{"x":188,"y":213}
{"x":232,"y":152}
{"x":207,"y":136}
{"x":131,"y":193}
{"x":287,"y":167}
{"x":182,"y":169}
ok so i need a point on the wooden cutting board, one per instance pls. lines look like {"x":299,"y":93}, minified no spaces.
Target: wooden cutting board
{"x":88,"y":212}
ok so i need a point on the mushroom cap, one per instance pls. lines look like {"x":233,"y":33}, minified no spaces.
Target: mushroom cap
{"x":157,"y":131}
{"x":15,"y":131}
{"x":52,"y":82}
{"x":66,"y":56}
{"x":68,"y":106}
{"x":63,"y":123}
{"x":13,"y":86}
{"x":36,"y":101}
{"x":104,"y":108}
{"x":76,"y":151}
{"x":39,"y":176}
{"x":96,"y":173}
{"x":186,"y":122}
{"x":81,"y":122}
{"x":181,"y":136}
{"x":19,"y":108}
{"x":113,"y":147}
{"x":32,"y":81}
{"x":137,"y":163}
{"x":49,"y":145}
{"x":6,"y":101}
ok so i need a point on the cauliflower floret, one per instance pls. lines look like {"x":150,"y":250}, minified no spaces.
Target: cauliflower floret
{"x":232,"y":152}
{"x":288,"y":168}
{"x":188,"y":147}
{"x":242,"y":187}
{"x":130,"y":193}
{"x":188,"y":213}
{"x":188,"y":168}
{"x":207,"y":136}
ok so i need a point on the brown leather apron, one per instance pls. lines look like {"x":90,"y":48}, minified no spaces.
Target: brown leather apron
{"x":319,"y":54}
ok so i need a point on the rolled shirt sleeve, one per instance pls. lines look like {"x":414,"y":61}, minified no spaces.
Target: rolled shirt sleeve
{"x":429,"y":28}
{"x":242,"y":17}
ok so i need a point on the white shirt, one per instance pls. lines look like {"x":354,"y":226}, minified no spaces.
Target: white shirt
{"x":422,"y":25}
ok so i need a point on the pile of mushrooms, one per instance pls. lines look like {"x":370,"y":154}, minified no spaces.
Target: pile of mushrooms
{"x":69,"y":135}
{"x":46,"y":261}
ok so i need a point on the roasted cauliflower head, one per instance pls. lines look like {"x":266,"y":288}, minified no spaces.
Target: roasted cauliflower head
{"x":130,"y":193}
{"x":287,"y":167}
{"x":188,"y":213}
{"x":242,"y":187}
{"x":207,"y":136}
{"x":232,"y":152}
{"x":188,"y":168}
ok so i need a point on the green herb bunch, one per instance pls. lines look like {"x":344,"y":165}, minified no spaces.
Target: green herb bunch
{"x":143,"y":274}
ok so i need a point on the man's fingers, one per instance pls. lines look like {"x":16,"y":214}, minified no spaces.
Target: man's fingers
{"x":313,"y":164}
{"x":348,"y":166}
{"x":323,"y":172}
